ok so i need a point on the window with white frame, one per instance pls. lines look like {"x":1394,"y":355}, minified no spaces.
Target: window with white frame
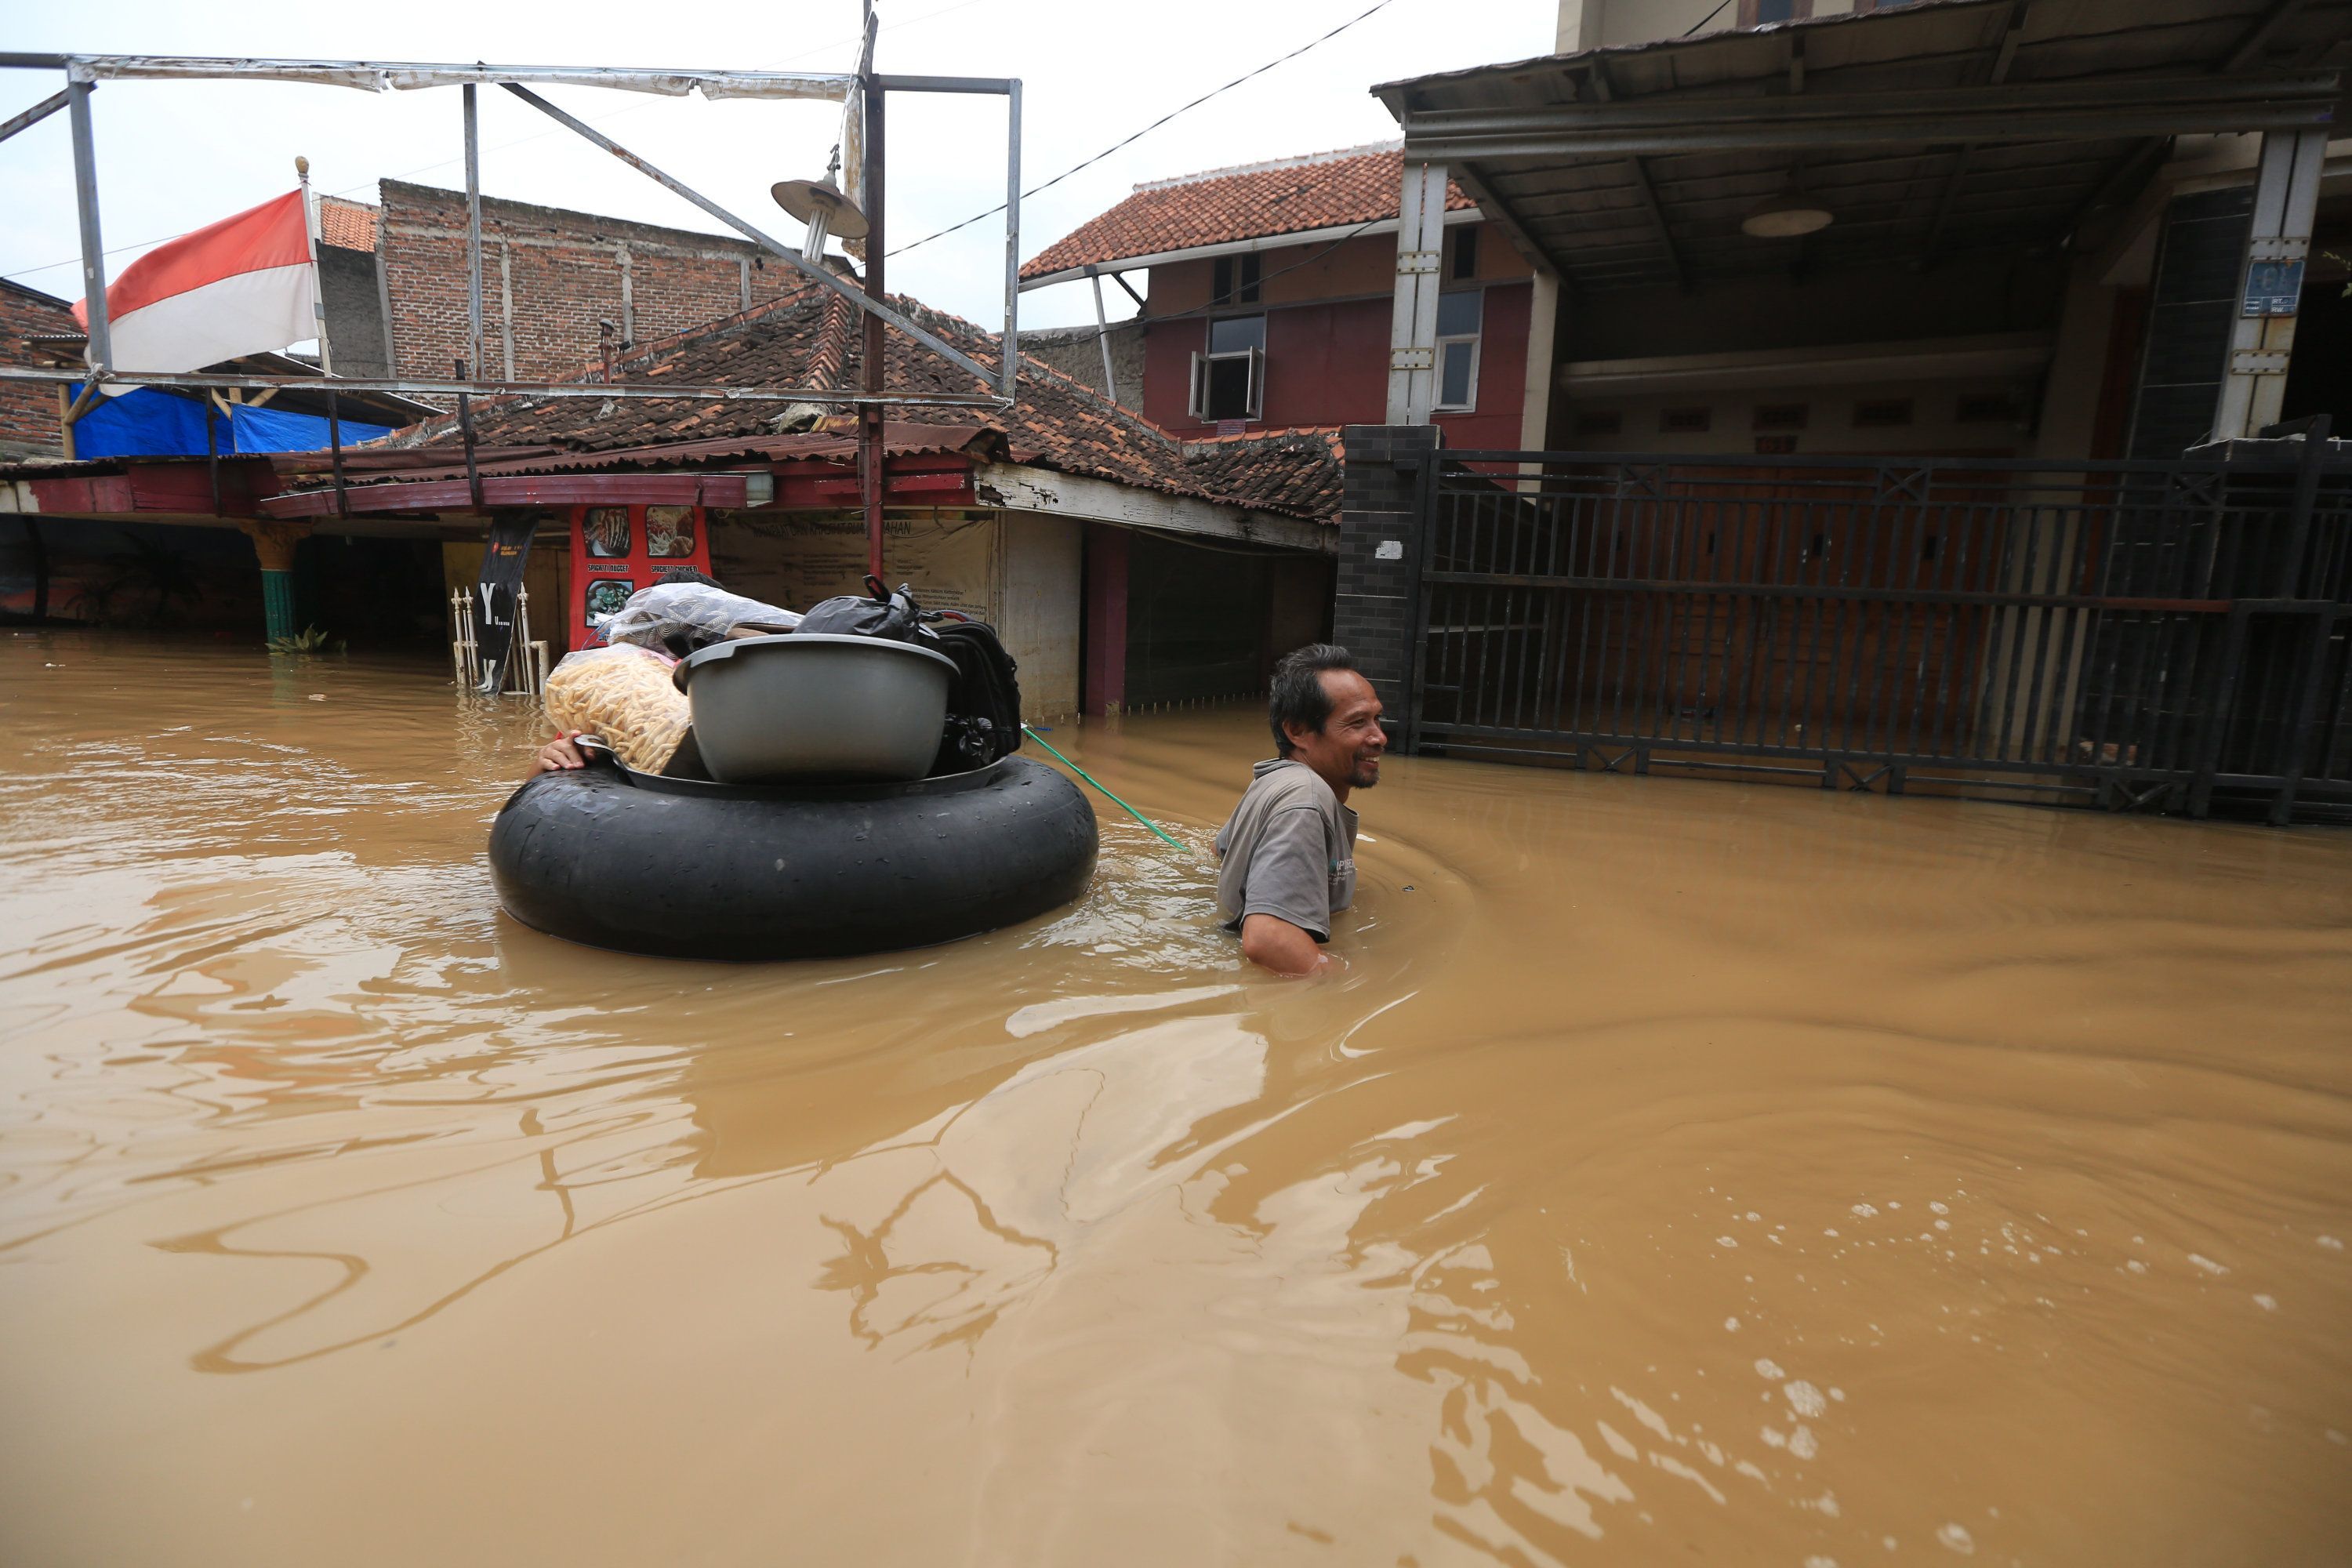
{"x":1458,"y":320}
{"x":1229,"y":377}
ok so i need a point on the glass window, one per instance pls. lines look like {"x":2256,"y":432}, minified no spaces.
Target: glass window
{"x":669,"y":530}
{"x":1228,"y":392}
{"x":606,"y":529}
{"x":1237,"y":335}
{"x":1457,"y":314}
{"x":606,"y":595}
{"x":1465,"y":264}
{"x":1233,"y":279}
{"x":1457,"y":374}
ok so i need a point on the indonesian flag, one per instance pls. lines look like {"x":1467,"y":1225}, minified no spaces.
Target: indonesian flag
{"x":241,"y":286}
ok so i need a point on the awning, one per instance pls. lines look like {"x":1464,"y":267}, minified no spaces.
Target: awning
{"x":1926,"y":131}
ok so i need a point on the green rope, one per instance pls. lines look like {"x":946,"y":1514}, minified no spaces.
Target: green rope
{"x":1098,"y":784}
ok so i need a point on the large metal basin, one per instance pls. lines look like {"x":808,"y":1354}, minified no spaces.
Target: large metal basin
{"x":816,"y":706}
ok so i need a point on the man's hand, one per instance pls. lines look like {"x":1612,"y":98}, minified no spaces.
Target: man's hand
{"x":1272,"y":942}
{"x":563,"y":752}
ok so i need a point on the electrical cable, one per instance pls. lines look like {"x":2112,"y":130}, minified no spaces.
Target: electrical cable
{"x":1703,"y":21}
{"x":1048,"y":185}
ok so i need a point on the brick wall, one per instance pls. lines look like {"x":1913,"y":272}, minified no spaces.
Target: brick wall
{"x":1373,"y":612}
{"x":28,"y":409}
{"x":548,"y":278}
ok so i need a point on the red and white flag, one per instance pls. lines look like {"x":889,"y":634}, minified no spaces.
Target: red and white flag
{"x":241,"y":286}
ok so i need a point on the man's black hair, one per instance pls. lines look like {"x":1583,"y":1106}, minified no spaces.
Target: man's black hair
{"x":685,"y":575}
{"x":1298,"y":697}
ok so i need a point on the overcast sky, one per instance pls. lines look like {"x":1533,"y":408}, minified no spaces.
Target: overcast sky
{"x":173,"y":156}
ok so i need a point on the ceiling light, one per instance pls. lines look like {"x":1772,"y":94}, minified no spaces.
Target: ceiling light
{"x":1786,"y":216}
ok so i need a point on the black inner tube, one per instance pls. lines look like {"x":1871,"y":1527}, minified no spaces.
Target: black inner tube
{"x":687,"y":868}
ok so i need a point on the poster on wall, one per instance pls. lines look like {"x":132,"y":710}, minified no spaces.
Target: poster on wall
{"x":504,"y":555}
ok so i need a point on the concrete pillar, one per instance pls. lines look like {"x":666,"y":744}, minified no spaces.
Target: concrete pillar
{"x":275,"y":544}
{"x":1543,"y":339}
{"x":1375,"y":612}
{"x":1420,"y":274}
{"x":2270,"y":276}
{"x":1579,"y":26}
{"x":1104,"y":672}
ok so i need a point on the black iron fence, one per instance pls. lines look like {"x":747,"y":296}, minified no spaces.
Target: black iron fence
{"x":2167,"y":636}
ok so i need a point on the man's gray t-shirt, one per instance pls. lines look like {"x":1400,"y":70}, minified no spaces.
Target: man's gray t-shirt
{"x":1289,"y":850}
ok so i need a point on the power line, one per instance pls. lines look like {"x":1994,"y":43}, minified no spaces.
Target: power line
{"x":1048,"y":185}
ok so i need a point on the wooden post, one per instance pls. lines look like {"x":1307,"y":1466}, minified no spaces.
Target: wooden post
{"x":275,"y":544}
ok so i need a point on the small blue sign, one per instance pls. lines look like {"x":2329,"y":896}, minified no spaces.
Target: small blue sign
{"x":2272,"y":288}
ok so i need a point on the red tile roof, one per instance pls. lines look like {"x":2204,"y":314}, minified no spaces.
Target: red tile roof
{"x":811,"y":339}
{"x":1329,"y":190}
{"x":345,"y":225}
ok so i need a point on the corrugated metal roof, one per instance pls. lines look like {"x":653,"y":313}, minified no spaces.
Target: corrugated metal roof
{"x":1895,"y":203}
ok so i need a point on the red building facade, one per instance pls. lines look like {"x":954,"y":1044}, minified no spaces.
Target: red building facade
{"x":1269,"y":299}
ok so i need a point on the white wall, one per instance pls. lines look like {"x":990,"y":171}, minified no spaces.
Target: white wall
{"x":1017,"y":570}
{"x":1040,"y":583}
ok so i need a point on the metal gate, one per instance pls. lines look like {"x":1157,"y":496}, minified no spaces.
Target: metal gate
{"x":2165,"y":636}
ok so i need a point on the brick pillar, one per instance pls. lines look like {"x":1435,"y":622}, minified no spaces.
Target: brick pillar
{"x":1374,"y":613}
{"x":1103,"y":673}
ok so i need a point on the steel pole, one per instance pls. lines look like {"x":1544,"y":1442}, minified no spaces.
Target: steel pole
{"x":1009,"y":373}
{"x":100,"y":354}
{"x":473,"y":234}
{"x":870,"y":452}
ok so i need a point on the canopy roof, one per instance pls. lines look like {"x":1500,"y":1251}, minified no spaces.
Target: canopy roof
{"x":1939,"y":127}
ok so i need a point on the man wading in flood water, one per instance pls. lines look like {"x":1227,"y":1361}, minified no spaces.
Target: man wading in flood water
{"x":1287,"y":855}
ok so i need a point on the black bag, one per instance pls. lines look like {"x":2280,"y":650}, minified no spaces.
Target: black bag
{"x":885,"y":615}
{"x":983,"y":705}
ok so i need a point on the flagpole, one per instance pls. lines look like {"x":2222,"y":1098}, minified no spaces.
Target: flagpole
{"x":317,"y":282}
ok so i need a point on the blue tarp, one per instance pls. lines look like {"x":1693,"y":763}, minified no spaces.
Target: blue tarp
{"x":149,"y":423}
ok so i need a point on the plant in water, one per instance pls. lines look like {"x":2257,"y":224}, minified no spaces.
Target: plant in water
{"x":310,"y":639}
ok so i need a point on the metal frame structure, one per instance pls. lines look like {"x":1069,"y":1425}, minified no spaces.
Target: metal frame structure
{"x":83,"y":72}
{"x":2133,"y":635}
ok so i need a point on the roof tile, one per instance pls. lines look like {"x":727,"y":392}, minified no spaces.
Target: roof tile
{"x":1254,"y":202}
{"x":809,"y":339}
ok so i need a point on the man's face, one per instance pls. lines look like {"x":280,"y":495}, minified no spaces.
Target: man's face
{"x":1346,"y":751}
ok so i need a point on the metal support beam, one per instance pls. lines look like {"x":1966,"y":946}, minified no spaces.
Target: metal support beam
{"x":2123,"y":179}
{"x":2286,"y":197}
{"x":1102,"y":337}
{"x":1648,"y":193}
{"x":100,"y":353}
{"x":2012,"y":32}
{"x":36,"y":114}
{"x":473,"y":233}
{"x":1009,"y":373}
{"x":1412,"y":329}
{"x":790,"y":256}
{"x":438,"y":386}
{"x":2010,"y":112}
{"x":2281,"y":13}
{"x":1121,"y":279}
{"x":871,"y":453}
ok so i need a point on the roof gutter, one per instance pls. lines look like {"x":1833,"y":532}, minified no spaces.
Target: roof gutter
{"x":1016,"y":487}
{"x":1232,"y":247}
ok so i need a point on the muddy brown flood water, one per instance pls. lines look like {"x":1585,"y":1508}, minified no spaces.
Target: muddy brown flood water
{"x":1678,"y":1172}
